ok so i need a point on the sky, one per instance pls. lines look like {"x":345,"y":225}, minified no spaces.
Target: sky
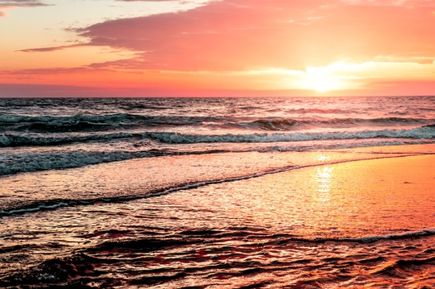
{"x":217,"y":47}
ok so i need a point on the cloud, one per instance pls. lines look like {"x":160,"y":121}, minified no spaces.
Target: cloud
{"x":6,"y":4}
{"x":53,"y":48}
{"x":43,"y":90}
{"x":397,"y":3}
{"x":151,"y":1}
{"x":249,"y":45}
{"x":375,"y":2}
{"x":247,"y":34}
{"x":21,"y":3}
{"x":220,"y":35}
{"x":240,"y":34}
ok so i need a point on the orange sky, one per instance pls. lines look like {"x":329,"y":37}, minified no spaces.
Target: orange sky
{"x":217,"y":48}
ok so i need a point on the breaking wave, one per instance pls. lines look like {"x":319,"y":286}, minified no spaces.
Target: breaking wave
{"x":282,"y":124}
{"x":147,"y":144}
{"x":118,"y":121}
{"x":16,"y":139}
{"x":91,"y":122}
{"x":178,"y":138}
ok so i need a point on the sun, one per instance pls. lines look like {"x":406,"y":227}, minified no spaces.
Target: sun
{"x":321,"y":79}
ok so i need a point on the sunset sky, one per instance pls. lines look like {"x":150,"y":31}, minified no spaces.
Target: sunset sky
{"x":217,"y":47}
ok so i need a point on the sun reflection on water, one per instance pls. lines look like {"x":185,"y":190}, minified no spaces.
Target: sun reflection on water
{"x":323,"y":158}
{"x":323,"y":177}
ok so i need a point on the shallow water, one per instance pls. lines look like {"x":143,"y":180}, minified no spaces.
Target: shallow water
{"x":121,"y":181}
{"x":360,"y":223}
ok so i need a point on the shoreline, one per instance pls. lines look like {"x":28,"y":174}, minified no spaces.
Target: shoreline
{"x":140,"y":178}
{"x":23,"y":160}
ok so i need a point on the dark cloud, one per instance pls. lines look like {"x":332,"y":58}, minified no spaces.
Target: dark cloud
{"x":21,"y":3}
{"x":43,"y":90}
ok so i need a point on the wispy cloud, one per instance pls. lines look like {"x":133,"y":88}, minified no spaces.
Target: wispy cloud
{"x":6,"y":4}
{"x":21,"y":3}
{"x":54,"y":48}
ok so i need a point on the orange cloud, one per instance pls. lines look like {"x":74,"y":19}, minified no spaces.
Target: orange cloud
{"x":239,"y":34}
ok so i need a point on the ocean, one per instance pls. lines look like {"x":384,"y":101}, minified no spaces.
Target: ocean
{"x":41,"y":134}
{"x":217,"y":192}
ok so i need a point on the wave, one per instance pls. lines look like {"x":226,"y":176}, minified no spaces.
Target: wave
{"x":40,"y":161}
{"x":366,"y":239}
{"x":396,"y":268}
{"x":178,"y":138}
{"x":268,"y":124}
{"x":119,"y":121}
{"x":31,"y":162}
{"x":152,"y":144}
{"x":93,"y":122}
{"x":283,"y":124}
{"x":34,"y":139}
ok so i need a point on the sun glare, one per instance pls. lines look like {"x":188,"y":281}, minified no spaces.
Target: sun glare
{"x":321,"y":79}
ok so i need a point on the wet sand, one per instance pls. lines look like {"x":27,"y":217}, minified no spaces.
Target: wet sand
{"x":355,"y":218}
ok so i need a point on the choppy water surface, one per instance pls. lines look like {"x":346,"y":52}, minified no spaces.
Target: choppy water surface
{"x":217,"y":193}
{"x":40,"y":134}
